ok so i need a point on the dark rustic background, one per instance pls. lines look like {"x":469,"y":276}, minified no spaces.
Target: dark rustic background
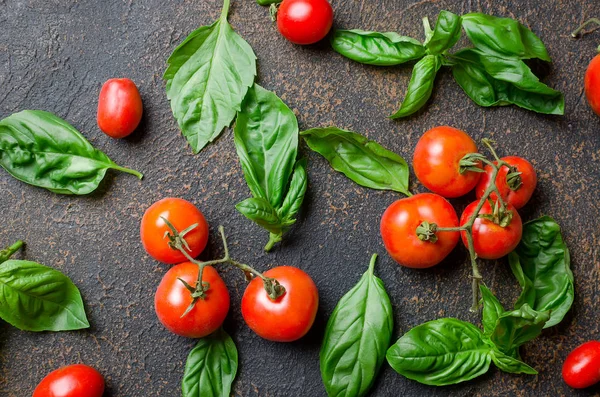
{"x":55,"y":55}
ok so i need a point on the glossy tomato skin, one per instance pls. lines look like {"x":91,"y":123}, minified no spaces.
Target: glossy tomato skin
{"x":172,"y":299}
{"x":181,"y":214}
{"x":289,"y":317}
{"x":518,"y":198}
{"x":592,"y":84}
{"x":304,"y":21}
{"x":492,"y":241}
{"x":119,"y":108}
{"x":399,"y":224}
{"x":582,"y":366}
{"x":436,"y":161}
{"x":71,"y":381}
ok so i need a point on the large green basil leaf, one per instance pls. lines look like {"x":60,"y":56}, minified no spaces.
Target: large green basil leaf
{"x":211,"y":367}
{"x":445,"y":34}
{"x":510,"y":364}
{"x":541,"y":264}
{"x":365,"y":162}
{"x":34,"y":297}
{"x":441,"y":352}
{"x":357,"y":336}
{"x":492,"y":310}
{"x":374,"y":48}
{"x":525,"y":90}
{"x":295,"y":195}
{"x":208,"y":76}
{"x":420,"y":86}
{"x":259,"y":210}
{"x":503,"y":36}
{"x":41,"y":149}
{"x":517,"y":327}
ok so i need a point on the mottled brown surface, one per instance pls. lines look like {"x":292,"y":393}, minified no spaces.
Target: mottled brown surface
{"x":55,"y":54}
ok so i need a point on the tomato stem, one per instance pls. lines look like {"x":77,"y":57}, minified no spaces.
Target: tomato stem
{"x":5,"y":254}
{"x":577,"y":32}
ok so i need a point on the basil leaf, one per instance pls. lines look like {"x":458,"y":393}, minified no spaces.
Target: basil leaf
{"x":510,"y":364}
{"x":365,"y":162}
{"x":260,"y":211}
{"x":211,"y":367}
{"x":295,"y":196}
{"x":420,"y":86}
{"x":41,"y":149}
{"x":503,"y":36}
{"x":445,"y":34}
{"x":35,"y":297}
{"x":485,"y":90}
{"x":441,"y":352}
{"x":517,"y":327}
{"x":492,"y":310}
{"x":374,"y":48}
{"x":207,"y":78}
{"x":357,"y":336}
{"x":541,"y":264}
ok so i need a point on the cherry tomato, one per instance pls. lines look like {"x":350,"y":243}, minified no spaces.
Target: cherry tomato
{"x":182,"y":214}
{"x":172,"y":300}
{"x":399,"y":230}
{"x":527,"y":179}
{"x":582,"y":366}
{"x":492,"y":241}
{"x":436,"y":161}
{"x":71,"y":381}
{"x":592,"y":84}
{"x":304,"y":21}
{"x":119,"y":108}
{"x":289,"y":317}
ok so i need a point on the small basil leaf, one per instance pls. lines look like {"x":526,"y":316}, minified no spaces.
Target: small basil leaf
{"x":34,"y":297}
{"x":441,"y":352}
{"x":517,"y":327}
{"x":357,"y":336}
{"x":266,"y":140}
{"x":41,"y":149}
{"x":365,"y":162}
{"x":208,"y":76}
{"x":445,"y":34}
{"x":503,"y":36}
{"x":492,"y":310}
{"x":511,"y":364}
{"x":260,"y":211}
{"x":373,"y":48}
{"x":295,"y":195}
{"x":420,"y":86}
{"x":211,"y":367}
{"x":541,"y":264}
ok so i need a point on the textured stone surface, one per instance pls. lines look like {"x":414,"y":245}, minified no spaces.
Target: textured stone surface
{"x":55,"y":54}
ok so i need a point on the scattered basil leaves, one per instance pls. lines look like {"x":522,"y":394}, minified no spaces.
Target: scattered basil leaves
{"x":374,"y":48}
{"x":510,"y":364}
{"x":445,"y":34}
{"x":492,"y":310}
{"x":420,"y":86}
{"x":365,"y":162}
{"x":41,"y":149}
{"x":211,"y":367}
{"x":357,"y":336}
{"x":541,"y":264}
{"x":207,"y":78}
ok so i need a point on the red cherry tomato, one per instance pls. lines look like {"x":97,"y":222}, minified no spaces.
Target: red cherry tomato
{"x":182,"y":214}
{"x":399,"y":230}
{"x":437,"y":161}
{"x":592,"y":84}
{"x":172,"y":300}
{"x":491,"y":240}
{"x":519,"y":197}
{"x":289,"y":317}
{"x":304,"y":21}
{"x":582,"y":366}
{"x":119,"y":108}
{"x":71,"y":381}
